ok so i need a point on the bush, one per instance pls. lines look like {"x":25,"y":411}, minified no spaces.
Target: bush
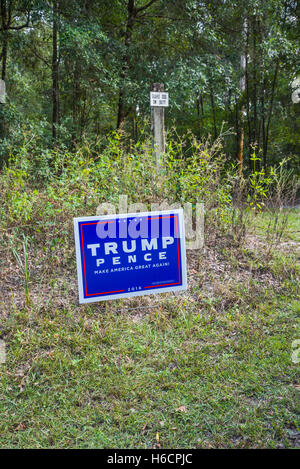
{"x":50,"y":186}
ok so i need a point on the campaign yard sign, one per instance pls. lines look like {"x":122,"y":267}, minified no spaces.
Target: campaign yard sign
{"x":130,"y":254}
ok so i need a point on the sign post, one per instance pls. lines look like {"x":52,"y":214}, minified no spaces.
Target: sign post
{"x":130,"y":254}
{"x":158,"y":101}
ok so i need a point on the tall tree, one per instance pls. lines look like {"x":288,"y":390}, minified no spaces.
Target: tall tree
{"x":134,"y":13}
{"x":243,"y":62}
{"x":55,"y":70}
{"x":15,"y":16}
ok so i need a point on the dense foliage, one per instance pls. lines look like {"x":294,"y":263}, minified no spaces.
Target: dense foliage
{"x":80,"y":69}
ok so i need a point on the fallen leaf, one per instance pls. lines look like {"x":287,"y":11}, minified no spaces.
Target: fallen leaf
{"x":182,"y":408}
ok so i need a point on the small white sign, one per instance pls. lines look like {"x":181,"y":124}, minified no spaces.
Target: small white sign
{"x":2,"y":91}
{"x":160,"y":99}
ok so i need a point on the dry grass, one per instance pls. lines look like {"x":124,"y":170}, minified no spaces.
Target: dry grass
{"x":210,"y":367}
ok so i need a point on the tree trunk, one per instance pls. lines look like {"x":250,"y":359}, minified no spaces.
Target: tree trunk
{"x":7,"y":24}
{"x":254,"y":81}
{"x":76,"y":92}
{"x":242,"y":88}
{"x":263,"y":116}
{"x":55,"y":70}
{"x":4,"y":27}
{"x":4,"y":55}
{"x":237,"y":127}
{"x":265,"y":151}
{"x":250,"y":138}
{"x":199,"y":115}
{"x":266,"y":141}
{"x":131,"y":9}
{"x":212,"y":101}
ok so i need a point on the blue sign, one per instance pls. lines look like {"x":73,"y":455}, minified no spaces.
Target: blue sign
{"x":130,"y":254}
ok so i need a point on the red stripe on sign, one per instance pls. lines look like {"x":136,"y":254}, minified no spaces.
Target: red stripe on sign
{"x":178,"y":253}
{"x":105,"y":292}
{"x":85,"y":282}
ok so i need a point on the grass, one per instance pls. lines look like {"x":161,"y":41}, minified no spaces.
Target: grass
{"x":207,"y":368}
{"x":261,"y":222}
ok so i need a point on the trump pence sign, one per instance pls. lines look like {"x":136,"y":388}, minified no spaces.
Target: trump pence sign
{"x":130,"y":254}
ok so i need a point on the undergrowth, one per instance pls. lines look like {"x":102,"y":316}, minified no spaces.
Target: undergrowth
{"x":210,"y":367}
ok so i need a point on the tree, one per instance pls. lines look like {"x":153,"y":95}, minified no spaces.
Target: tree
{"x":15,"y":16}
{"x":55,"y":70}
{"x":134,"y":14}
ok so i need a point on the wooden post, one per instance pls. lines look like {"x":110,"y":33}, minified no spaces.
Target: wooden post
{"x":157,"y":127}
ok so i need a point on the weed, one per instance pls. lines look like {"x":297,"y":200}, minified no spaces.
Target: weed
{"x":24,"y":266}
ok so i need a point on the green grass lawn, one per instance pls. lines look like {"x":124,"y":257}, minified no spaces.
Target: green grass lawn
{"x":207,"y":368}
{"x":289,"y":218}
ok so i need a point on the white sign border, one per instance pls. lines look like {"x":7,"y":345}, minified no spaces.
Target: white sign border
{"x":149,"y":291}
